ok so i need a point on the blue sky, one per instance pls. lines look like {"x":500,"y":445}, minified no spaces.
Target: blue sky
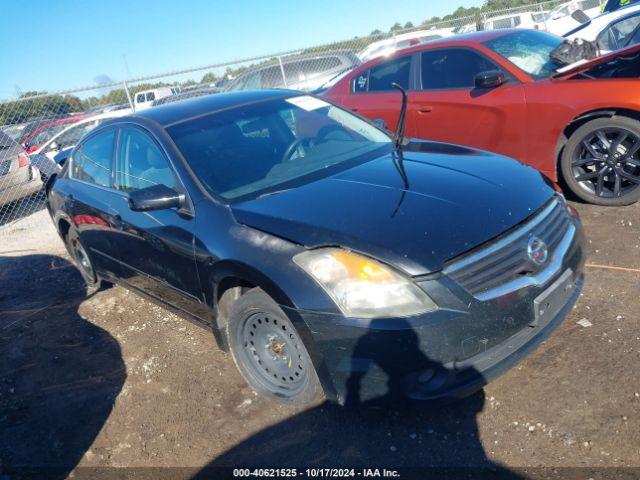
{"x":60,"y":44}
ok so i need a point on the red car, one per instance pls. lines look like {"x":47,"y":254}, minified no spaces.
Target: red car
{"x":46,"y":131}
{"x":500,"y":91}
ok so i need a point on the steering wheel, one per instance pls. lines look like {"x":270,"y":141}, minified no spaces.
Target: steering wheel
{"x":293,"y":146}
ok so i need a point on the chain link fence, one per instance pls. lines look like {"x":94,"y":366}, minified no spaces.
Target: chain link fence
{"x":38,"y":132}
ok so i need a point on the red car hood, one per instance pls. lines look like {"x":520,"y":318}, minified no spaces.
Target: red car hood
{"x":584,"y":65}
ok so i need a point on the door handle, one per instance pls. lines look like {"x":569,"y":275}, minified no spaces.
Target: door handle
{"x":425,"y":109}
{"x":354,"y":109}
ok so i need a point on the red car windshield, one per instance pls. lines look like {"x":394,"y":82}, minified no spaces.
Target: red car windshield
{"x":528,"y":50}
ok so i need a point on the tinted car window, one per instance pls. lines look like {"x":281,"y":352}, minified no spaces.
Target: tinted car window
{"x":501,"y":23}
{"x":151,"y":97}
{"x":380,"y":77}
{"x":92,"y":160}
{"x":140,"y":98}
{"x":616,"y":35}
{"x":452,"y":68}
{"x":141,"y":163}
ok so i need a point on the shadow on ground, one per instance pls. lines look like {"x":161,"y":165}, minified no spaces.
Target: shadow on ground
{"x":59,"y":374}
{"x":430,"y":440}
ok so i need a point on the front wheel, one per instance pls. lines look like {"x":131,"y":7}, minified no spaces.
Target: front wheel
{"x":269,"y":352}
{"x":601,"y":161}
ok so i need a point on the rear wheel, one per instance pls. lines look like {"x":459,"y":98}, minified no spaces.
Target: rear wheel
{"x":601,"y":161}
{"x":269,"y":352}
{"x":81,"y":259}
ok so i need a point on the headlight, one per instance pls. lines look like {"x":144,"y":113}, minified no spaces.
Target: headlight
{"x":362,"y":287}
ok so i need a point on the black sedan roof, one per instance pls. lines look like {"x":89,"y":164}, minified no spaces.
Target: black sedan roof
{"x":176,"y":112}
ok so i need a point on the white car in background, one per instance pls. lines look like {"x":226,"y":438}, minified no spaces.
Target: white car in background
{"x":388,"y":46}
{"x":516,"y":20}
{"x":611,"y":31}
{"x":49,"y":157}
{"x":564,"y":18}
{"x":143,"y":100}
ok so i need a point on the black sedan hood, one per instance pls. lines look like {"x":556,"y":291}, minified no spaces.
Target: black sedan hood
{"x":456,"y":199}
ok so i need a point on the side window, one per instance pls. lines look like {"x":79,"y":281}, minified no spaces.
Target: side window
{"x":380,"y":77}
{"x":452,"y":68}
{"x":617,"y":34}
{"x":141,"y":163}
{"x":635,"y":39}
{"x":140,"y":98}
{"x":92,"y":160}
{"x":151,"y":97}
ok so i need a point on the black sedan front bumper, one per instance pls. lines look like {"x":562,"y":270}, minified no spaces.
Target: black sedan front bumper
{"x":449,"y":353}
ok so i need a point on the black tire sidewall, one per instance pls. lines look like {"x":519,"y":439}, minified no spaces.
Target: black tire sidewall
{"x":574,"y":142}
{"x":255,"y":301}
{"x":71,"y":240}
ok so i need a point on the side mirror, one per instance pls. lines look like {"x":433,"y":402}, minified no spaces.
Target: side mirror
{"x":157,"y":197}
{"x":489,"y":79}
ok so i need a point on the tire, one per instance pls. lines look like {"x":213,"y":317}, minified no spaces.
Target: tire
{"x":268,"y":351}
{"x":601,"y":161}
{"x":81,"y":259}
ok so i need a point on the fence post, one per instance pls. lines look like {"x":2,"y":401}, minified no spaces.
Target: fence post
{"x":126,"y":90}
{"x":284,"y":78}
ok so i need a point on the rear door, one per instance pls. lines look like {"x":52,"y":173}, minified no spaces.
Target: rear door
{"x":155,"y":248}
{"x":89,"y":198}
{"x":448,"y":108}
{"x":372,"y":94}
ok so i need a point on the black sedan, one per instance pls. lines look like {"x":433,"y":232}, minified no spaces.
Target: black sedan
{"x":327,"y":258}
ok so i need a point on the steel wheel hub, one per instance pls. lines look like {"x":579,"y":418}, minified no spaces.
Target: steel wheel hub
{"x":273,"y":353}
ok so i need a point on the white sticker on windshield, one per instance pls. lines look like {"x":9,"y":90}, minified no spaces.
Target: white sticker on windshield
{"x":307,"y":103}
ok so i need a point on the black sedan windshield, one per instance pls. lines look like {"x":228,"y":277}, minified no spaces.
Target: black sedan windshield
{"x":255,"y":149}
{"x":528,"y":50}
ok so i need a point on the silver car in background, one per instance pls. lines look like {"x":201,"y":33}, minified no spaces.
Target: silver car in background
{"x":18,"y":178}
{"x":300,"y":72}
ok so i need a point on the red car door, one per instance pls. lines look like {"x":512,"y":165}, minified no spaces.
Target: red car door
{"x":446,"y":106}
{"x":371,"y":94}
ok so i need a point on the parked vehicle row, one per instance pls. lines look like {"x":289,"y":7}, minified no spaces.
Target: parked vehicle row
{"x":18,"y":178}
{"x":611,"y":31}
{"x":50,"y":156}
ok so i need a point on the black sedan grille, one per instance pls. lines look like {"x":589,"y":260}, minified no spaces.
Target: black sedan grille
{"x":506,"y":263}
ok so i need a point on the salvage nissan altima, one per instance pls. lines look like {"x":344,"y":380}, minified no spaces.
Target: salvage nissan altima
{"x":329,"y":257}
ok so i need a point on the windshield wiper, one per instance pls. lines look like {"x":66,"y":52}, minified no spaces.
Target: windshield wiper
{"x":398,"y":138}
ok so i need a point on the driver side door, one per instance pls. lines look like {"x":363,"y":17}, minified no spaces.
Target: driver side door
{"x":447,"y":107}
{"x":155,"y":248}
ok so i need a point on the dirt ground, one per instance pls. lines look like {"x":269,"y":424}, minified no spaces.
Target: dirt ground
{"x":113,"y":380}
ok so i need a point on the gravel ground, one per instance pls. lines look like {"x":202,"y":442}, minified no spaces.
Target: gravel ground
{"x":113,"y":380}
